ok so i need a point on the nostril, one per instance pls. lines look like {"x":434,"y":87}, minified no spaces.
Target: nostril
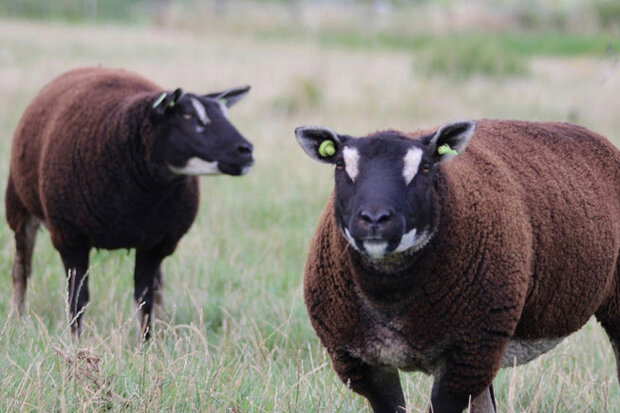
{"x":366,"y":217}
{"x":244,"y":149}
{"x":383,"y":217}
{"x":375,"y":218}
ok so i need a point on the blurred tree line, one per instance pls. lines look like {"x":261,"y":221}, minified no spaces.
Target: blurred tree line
{"x":534,"y":13}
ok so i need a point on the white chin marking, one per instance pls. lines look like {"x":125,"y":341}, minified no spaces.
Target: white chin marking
{"x":351,"y":159}
{"x":196,"y":166}
{"x":375,"y":249}
{"x":411,"y":240}
{"x":378,"y":249}
{"x":412,"y":163}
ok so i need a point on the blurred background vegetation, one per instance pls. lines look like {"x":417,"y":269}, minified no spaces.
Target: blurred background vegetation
{"x":235,"y":336}
{"x":565,"y":15}
{"x":456,"y":39}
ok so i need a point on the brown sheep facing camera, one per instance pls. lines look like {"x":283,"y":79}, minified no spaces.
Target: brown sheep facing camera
{"x":459,"y":268}
{"x":106,"y":159}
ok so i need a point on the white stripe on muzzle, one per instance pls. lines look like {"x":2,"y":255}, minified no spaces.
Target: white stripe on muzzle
{"x":196,"y":166}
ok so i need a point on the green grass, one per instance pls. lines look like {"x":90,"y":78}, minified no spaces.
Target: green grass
{"x":513,"y":44}
{"x":458,"y":62}
{"x":235,"y":335}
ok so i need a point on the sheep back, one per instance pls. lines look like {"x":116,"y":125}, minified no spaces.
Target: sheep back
{"x":80,"y":163}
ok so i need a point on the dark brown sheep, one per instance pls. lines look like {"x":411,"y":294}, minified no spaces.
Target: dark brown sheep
{"x":459,"y":268}
{"x":104,"y":159}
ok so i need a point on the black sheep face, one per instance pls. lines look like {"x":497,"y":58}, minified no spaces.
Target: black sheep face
{"x":384,"y":182}
{"x":195,"y":137}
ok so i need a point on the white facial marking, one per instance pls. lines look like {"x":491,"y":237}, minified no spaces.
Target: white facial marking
{"x":351,"y":159}
{"x":349,"y":238}
{"x":223,"y":108}
{"x":410,"y":240}
{"x":196,"y":166}
{"x":200,"y":111}
{"x":376,"y":249}
{"x":412,"y":163}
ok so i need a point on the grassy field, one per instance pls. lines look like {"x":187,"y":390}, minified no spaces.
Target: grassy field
{"x":235,"y":335}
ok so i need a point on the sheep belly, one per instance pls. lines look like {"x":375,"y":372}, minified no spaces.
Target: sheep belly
{"x":388,"y":346}
{"x":522,"y":351}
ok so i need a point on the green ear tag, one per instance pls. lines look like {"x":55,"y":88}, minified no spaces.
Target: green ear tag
{"x":445,"y":149}
{"x":327,"y":149}
{"x":159,"y":100}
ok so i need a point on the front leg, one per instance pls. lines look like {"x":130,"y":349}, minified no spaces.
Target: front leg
{"x":379,"y":384}
{"x":460,"y":384}
{"x":147,"y":286}
{"x":485,"y":402}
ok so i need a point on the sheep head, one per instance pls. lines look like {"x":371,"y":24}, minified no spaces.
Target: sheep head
{"x":384,"y":183}
{"x":194,"y":135}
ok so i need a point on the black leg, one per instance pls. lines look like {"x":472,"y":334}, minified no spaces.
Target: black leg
{"x":484,"y":402}
{"x":380,"y":385}
{"x":76,"y":266}
{"x":456,"y":387}
{"x":147,"y":286}
{"x":444,"y":401}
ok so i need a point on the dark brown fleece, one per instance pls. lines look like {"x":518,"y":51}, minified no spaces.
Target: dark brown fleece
{"x":80,"y":164}
{"x":527,"y":248}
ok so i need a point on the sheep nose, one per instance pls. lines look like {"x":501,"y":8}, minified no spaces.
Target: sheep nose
{"x":377,"y":218}
{"x":244,"y":148}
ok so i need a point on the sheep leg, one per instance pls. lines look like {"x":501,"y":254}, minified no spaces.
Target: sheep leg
{"x":446,"y":400}
{"x":25,"y":238}
{"x":380,"y":385}
{"x":147,"y":286}
{"x":76,"y":266}
{"x":25,"y":226}
{"x":158,"y":293}
{"x":485,"y":402}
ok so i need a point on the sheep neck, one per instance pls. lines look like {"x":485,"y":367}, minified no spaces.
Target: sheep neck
{"x":150,"y":172}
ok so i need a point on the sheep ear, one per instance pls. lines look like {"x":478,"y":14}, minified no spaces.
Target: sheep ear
{"x":450,"y":140}
{"x":321,"y":144}
{"x":166,"y":101}
{"x":230,"y":96}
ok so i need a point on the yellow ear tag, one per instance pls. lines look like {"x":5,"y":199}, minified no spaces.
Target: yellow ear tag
{"x":445,"y":149}
{"x":327,"y":149}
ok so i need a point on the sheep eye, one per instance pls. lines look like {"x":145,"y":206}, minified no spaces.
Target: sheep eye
{"x":188,"y":116}
{"x":426,"y":167}
{"x":339,"y":165}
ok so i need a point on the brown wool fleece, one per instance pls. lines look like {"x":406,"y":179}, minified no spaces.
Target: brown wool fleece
{"x":80,"y":163}
{"x":526,"y":248}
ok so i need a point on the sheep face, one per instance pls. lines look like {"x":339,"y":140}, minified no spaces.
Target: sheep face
{"x":195,"y":137}
{"x":384,"y":182}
